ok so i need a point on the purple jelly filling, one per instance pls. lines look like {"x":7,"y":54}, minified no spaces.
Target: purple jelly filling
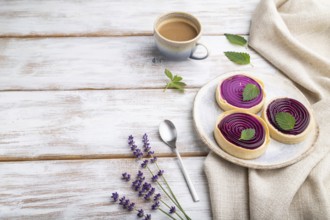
{"x":232,"y":126}
{"x":295,"y":108}
{"x":232,"y":88}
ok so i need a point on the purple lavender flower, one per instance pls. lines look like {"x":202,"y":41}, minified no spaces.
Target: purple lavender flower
{"x":146,"y":186}
{"x":131,"y":140}
{"x":136,"y":185}
{"x":146,"y":144}
{"x":149,"y":194}
{"x":147,"y":197}
{"x":153,"y":160}
{"x":145,"y":138}
{"x":147,"y":148}
{"x":137,"y":188}
{"x":144,"y":164}
{"x":139,"y":174}
{"x":154,"y":178}
{"x":138,"y":153}
{"x":126,"y":203}
{"x":160,"y":172}
{"x":150,"y":153}
{"x":140,"y":213}
{"x":148,"y":217}
{"x":122,"y":200}
{"x":131,"y":206}
{"x":152,"y":191}
{"x":157,"y":197}
{"x":155,"y":205}
{"x":172,"y":210}
{"x":133,"y":147}
{"x":141,"y":192}
{"x":115,"y":196}
{"x":126,"y":176}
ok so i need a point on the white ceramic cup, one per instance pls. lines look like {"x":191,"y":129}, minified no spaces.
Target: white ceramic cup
{"x":179,"y":50}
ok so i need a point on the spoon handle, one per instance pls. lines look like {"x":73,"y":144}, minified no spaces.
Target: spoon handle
{"x":187,"y":178}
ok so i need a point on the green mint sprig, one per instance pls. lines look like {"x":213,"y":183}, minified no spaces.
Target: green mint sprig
{"x":247,"y":134}
{"x":237,"y":57}
{"x":285,"y":120}
{"x":250,"y":92}
{"x":175,"y":81}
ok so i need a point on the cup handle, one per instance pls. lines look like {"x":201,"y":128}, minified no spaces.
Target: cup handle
{"x":192,"y":56}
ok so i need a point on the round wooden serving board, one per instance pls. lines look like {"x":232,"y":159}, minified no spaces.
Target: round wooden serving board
{"x":206,"y":111}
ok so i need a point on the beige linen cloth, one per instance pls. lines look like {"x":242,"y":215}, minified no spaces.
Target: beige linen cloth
{"x":294,"y":35}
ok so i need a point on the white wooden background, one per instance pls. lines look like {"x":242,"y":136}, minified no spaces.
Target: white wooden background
{"x":76,"y":78}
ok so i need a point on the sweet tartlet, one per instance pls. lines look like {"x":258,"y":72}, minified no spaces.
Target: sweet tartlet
{"x":229,"y":94}
{"x":302,"y":125}
{"x":228,"y":131}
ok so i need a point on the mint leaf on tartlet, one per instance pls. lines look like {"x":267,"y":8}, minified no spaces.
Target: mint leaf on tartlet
{"x":247,"y":134}
{"x":250,"y":92}
{"x":285,"y":120}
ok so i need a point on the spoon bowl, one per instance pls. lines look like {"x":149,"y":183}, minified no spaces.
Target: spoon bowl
{"x":168,"y":133}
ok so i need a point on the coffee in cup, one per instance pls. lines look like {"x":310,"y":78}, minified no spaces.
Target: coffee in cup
{"x":176,"y":35}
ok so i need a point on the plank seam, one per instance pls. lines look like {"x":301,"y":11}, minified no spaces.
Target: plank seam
{"x":91,"y":35}
{"x":92,"y":89}
{"x":97,"y":157}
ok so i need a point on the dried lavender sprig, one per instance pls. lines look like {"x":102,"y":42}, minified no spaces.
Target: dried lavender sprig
{"x":138,"y":154}
{"x":168,"y":196}
{"x":136,"y":151}
{"x":177,"y":203}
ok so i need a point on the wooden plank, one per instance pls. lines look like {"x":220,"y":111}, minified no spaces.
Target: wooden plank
{"x":92,"y":124}
{"x":81,"y":189}
{"x":109,"y":18}
{"x":108,"y":63}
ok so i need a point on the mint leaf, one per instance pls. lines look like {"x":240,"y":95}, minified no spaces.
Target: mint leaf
{"x":168,"y":74}
{"x":250,"y":92}
{"x":285,"y":120}
{"x":247,"y":134}
{"x":238,"y":58}
{"x":176,"y":86}
{"x":236,"y":39}
{"x":175,"y":81}
{"x":179,"y":83}
{"x":177,"y":78}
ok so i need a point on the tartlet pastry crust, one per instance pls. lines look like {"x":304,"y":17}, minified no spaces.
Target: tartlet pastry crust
{"x":287,"y":138}
{"x":224,"y":105}
{"x":235,"y":150}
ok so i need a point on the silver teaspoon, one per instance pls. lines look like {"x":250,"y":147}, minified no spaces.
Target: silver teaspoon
{"x":168,"y":134}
